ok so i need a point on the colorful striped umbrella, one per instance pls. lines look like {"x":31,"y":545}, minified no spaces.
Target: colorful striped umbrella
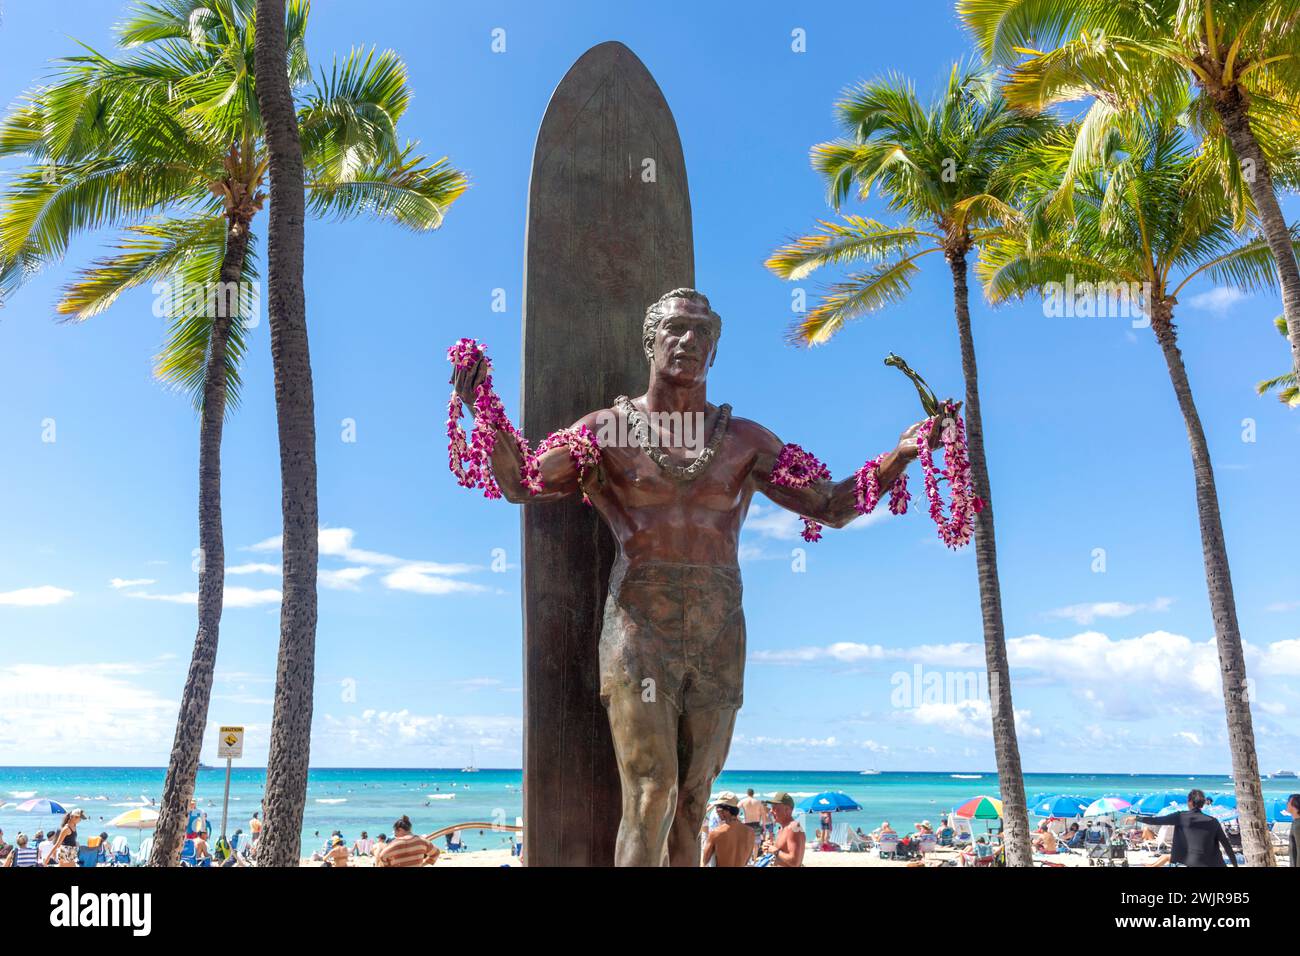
{"x":41,"y":806}
{"x":980,"y":808}
{"x":1105,"y":806}
{"x":141,"y":818}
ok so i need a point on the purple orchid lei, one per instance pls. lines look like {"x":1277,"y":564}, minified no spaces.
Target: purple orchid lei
{"x":796,"y":468}
{"x":955,"y":530}
{"x":470,"y":460}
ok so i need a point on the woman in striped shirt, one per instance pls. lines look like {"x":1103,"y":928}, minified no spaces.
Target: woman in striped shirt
{"x":22,"y":854}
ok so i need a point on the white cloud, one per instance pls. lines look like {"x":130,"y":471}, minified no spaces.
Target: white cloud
{"x":42,"y":596}
{"x":54,"y":711}
{"x":1282,"y":606}
{"x":343,"y":579}
{"x":251,"y":568}
{"x":231,"y":597}
{"x":1190,"y":737}
{"x":120,"y":583}
{"x":428,"y":579}
{"x":1219,"y":299}
{"x":1087,"y":613}
{"x":781,"y":525}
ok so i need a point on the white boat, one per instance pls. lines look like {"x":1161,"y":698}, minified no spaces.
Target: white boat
{"x":966,"y":776}
{"x":870,"y":773}
{"x":471,"y":768}
{"x":1284,"y":775}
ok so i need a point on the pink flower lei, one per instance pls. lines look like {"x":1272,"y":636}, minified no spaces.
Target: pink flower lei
{"x":955,"y":530}
{"x":796,"y":468}
{"x":470,"y":461}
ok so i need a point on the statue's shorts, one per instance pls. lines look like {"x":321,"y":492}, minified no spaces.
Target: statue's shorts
{"x":680,"y":626}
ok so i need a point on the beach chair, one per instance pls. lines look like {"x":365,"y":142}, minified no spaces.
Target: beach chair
{"x":887,"y":844}
{"x":926,"y":844}
{"x":146,"y":848}
{"x":121,"y":851}
{"x":88,"y":854}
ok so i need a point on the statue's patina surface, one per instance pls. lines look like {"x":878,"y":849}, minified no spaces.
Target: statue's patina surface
{"x":675,"y":482}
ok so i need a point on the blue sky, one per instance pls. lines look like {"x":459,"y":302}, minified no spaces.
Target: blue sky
{"x":419,"y":656}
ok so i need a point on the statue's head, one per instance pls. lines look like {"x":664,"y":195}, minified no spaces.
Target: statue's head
{"x":680,"y":336}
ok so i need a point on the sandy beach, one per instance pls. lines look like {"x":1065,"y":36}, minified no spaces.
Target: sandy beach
{"x":498,"y":858}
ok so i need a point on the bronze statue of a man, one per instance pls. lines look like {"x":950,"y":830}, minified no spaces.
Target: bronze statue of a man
{"x":672,"y":648}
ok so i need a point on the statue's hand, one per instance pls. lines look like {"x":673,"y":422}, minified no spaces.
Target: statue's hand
{"x":467,"y":380}
{"x":907,"y":441}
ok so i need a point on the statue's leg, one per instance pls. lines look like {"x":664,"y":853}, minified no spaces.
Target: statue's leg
{"x":703,"y":741}
{"x":645,"y":745}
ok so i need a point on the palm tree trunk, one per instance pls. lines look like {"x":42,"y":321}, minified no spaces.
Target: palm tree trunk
{"x":1235,"y":116}
{"x":1015,"y":816}
{"x":1223,"y":606}
{"x":286,"y":770}
{"x":191,"y":722}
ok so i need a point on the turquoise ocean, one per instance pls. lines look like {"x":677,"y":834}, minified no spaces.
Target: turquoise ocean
{"x":352,"y":800}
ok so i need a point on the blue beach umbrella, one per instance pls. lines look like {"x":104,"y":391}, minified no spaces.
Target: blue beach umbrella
{"x":1275,"y":811}
{"x":41,"y":806}
{"x":834,"y":801}
{"x":1221,"y":813}
{"x":1153,"y":802}
{"x":1058,"y":805}
{"x":1224,"y":800}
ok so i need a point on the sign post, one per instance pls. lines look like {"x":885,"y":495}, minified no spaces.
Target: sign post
{"x":230,"y":744}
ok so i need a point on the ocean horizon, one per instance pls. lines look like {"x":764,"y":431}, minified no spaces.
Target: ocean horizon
{"x":353,"y":799}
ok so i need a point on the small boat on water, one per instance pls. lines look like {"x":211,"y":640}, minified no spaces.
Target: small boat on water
{"x":471,"y":768}
{"x":966,"y":776}
{"x":873,"y":772}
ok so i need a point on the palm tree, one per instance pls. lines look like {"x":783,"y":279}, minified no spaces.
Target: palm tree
{"x":286,"y":768}
{"x":938,"y":168}
{"x":166,"y":139}
{"x":1137,"y":220}
{"x":1241,"y":56}
{"x":1287,"y":385}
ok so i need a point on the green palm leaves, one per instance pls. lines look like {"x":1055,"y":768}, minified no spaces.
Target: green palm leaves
{"x":939,"y":167}
{"x":165,"y":140}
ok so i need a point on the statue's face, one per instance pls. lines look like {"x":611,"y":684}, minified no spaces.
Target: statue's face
{"x":685,"y":343}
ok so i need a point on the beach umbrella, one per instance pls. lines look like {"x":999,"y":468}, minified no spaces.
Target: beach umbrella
{"x":834,"y":801}
{"x":1152,"y":802}
{"x":980,"y":808}
{"x":1105,"y":806}
{"x":41,"y":806}
{"x":141,"y":818}
{"x":1060,"y":805}
{"x":1221,"y":813}
{"x":1224,"y":800}
{"x":1275,"y":811}
{"x":1128,"y":796}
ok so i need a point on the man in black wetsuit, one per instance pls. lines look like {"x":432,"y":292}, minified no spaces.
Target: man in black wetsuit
{"x":1197,"y":836}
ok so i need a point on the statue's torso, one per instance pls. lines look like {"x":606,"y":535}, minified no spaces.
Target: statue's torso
{"x":656,"y":517}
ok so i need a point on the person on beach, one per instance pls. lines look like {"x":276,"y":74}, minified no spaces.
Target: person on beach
{"x":1198,"y":838}
{"x":337,"y":855}
{"x":407,"y":849}
{"x":1293,"y":808}
{"x":196,"y":822}
{"x":1045,"y":840}
{"x":731,"y":843}
{"x":22,"y":854}
{"x":254,"y":828}
{"x":788,"y":845}
{"x":363,"y":845}
{"x":201,"y":848}
{"x":381,"y":841}
{"x":63,"y":846}
{"x":753,"y":812}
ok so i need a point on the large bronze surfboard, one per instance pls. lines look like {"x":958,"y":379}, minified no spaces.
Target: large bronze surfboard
{"x":609,"y":231}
